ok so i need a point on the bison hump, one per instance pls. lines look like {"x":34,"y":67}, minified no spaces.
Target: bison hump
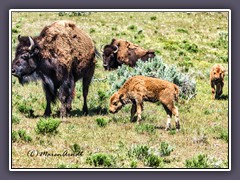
{"x":65,"y":41}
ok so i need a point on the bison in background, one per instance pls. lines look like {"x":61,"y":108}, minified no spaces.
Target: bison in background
{"x":141,"y":88}
{"x":123,"y":52}
{"x":217,"y":80}
{"x":59,"y":56}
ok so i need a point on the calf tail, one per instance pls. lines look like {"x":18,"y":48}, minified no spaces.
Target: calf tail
{"x":176,"y":93}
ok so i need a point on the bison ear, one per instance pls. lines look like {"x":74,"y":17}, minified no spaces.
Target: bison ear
{"x":113,"y":40}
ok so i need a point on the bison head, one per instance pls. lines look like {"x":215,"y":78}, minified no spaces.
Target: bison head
{"x":217,"y":73}
{"x":24,"y":64}
{"x":117,"y":101}
{"x":110,"y":57}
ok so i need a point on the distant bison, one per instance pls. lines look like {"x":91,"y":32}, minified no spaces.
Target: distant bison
{"x":59,"y":56}
{"x":217,"y":80}
{"x":140,"y":88}
{"x":123,"y":52}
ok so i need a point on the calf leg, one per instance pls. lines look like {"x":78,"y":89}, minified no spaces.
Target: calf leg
{"x":213,"y":90}
{"x":133,"y":111}
{"x":175,"y":113}
{"x":139,"y":111}
{"x":219,"y":89}
{"x":169,"y":116}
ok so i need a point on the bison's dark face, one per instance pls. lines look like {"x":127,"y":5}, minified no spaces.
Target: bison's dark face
{"x":150,"y":54}
{"x":110,"y":57}
{"x":24,"y":64}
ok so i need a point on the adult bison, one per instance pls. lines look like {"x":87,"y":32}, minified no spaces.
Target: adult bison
{"x":59,"y":56}
{"x":123,"y":52}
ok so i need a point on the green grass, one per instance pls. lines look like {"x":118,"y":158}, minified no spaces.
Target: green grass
{"x":193,"y":42}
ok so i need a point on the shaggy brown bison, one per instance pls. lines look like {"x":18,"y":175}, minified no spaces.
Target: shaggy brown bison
{"x":59,"y":56}
{"x":124,"y":52}
{"x":140,"y":88}
{"x":217,"y":80}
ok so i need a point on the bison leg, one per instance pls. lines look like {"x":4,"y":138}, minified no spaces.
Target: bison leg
{"x":133,"y":111}
{"x":175,"y":113}
{"x":219,"y":89}
{"x":66,"y":95}
{"x":139,"y":111}
{"x":213,"y":90}
{"x":86,"y":83}
{"x":50,"y":94}
{"x":169,"y":116}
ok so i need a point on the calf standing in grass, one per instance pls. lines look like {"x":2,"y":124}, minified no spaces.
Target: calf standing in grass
{"x":140,"y":88}
{"x":216,"y":80}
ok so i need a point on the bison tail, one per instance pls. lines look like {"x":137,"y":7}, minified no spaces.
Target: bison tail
{"x":176,"y":93}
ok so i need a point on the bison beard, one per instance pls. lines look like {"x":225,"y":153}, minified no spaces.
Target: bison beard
{"x":60,"y":56}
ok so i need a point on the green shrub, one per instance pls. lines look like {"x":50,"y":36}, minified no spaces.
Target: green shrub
{"x":201,"y":161}
{"x":100,"y":159}
{"x":133,"y":164}
{"x":102,"y":122}
{"x":139,"y":151}
{"x":153,"y":18}
{"x":153,"y":160}
{"x":49,"y":125}
{"x":15,"y":136}
{"x":26,"y":109}
{"x":76,"y":149}
{"x":141,"y":128}
{"x":132,"y":27}
{"x":183,"y":31}
{"x":165,"y":149}
{"x":224,"y":135}
{"x":154,"y":68}
{"x":20,"y":134}
{"x":15,"y":119}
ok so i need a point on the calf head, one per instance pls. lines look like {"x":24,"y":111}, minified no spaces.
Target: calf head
{"x":24,"y":64}
{"x":110,"y":57}
{"x":217,"y":73}
{"x":117,"y":101}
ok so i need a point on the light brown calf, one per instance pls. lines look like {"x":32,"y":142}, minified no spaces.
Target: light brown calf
{"x":217,"y":80}
{"x":140,"y":88}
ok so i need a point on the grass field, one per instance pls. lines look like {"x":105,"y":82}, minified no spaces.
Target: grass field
{"x":111,"y":141}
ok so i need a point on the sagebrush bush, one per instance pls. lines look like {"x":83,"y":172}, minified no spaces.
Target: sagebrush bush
{"x":153,"y":68}
{"x":49,"y":125}
{"x":101,"y":159}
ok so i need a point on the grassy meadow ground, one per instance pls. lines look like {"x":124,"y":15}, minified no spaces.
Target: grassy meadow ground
{"x":120,"y":143}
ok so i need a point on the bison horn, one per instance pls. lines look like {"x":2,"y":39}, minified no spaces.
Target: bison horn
{"x":116,"y":49}
{"x":19,"y":36}
{"x":101,"y":49}
{"x":31,"y":43}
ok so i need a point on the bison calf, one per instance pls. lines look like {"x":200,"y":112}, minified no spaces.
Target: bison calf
{"x":216,"y":80}
{"x":140,"y":88}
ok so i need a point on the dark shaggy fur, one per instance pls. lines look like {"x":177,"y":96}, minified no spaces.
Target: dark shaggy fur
{"x":59,"y":56}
